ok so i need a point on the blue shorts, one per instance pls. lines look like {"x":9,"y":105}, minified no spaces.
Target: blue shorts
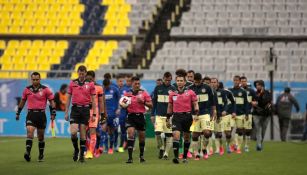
{"x":112,"y":121}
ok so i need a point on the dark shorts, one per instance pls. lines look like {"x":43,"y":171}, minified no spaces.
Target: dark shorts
{"x":182,"y":122}
{"x":36,"y":119}
{"x":79,"y":115}
{"x":137,"y":121}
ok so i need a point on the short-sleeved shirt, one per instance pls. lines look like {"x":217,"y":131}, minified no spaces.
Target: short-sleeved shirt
{"x":112,"y":96}
{"x":135,"y":106}
{"x":205,"y":96}
{"x":37,"y":98}
{"x":99,"y":93}
{"x":81,"y":92}
{"x":182,"y":102}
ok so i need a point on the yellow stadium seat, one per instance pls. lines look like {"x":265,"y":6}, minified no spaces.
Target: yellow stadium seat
{"x":73,"y":30}
{"x":19,"y":66}
{"x":16,"y":75}
{"x":22,"y":51}
{"x":44,"y":66}
{"x":9,"y":51}
{"x":55,"y":7}
{"x":20,"y":7}
{"x":90,"y":60}
{"x":18,"y":22}
{"x":34,"y":52}
{"x":46,"y":52}
{"x":112,"y":22}
{"x":2,"y":44}
{"x":111,"y":45}
{"x":31,"y":66}
{"x":103,"y":60}
{"x":25,"y":43}
{"x":74,"y":75}
{"x":120,"y":30}
{"x":17,"y":59}
{"x":38,"y":43}
{"x":124,"y":22}
{"x":43,"y":7}
{"x":54,"y":60}
{"x":4,"y":75}
{"x":8,"y":66}
{"x":41,"y":22}
{"x":4,"y":29}
{"x":26,"y":30}
{"x":50,"y":44}
{"x":62,"y":44}
{"x":61,"y":30}
{"x":125,"y":8}
{"x":43,"y":75}
{"x":13,"y":44}
{"x":50,"y":30}
{"x":5,"y":59}
{"x":38,"y":30}
{"x":58,"y":52}
{"x":108,"y":31}
{"x":32,"y":7}
{"x":30,"y":60}
{"x":78,"y":8}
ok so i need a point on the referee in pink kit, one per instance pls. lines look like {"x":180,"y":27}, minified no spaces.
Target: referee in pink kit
{"x":82,"y":94}
{"x":37,"y":96}
{"x":181,"y":103}
{"x":136,"y":119}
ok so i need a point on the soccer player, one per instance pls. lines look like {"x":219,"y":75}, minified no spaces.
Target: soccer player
{"x":136,"y":119}
{"x":203,"y":124}
{"x":207,"y":80}
{"x":37,"y":96}
{"x":181,"y":103}
{"x":241,"y":112}
{"x":158,"y":112}
{"x":112,"y":97}
{"x":81,"y":93}
{"x":221,"y":113}
{"x":227,"y":120}
{"x":122,"y":114}
{"x":190,"y":76}
{"x":99,"y":100}
{"x":251,"y":97}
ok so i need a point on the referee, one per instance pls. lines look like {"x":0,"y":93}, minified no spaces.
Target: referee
{"x":37,"y":96}
{"x":82,"y":94}
{"x":180,"y":107}
{"x":136,"y":119}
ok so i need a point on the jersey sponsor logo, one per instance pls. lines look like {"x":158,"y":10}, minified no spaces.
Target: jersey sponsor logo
{"x":41,"y":93}
{"x":111,"y":91}
{"x":240,"y":94}
{"x":174,"y":98}
{"x":86,"y":86}
{"x":218,"y":93}
{"x":203,"y":90}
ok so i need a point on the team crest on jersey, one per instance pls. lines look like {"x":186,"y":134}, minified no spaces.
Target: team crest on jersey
{"x":218,"y":93}
{"x":41,"y":93}
{"x":203,"y":90}
{"x":86,"y":86}
{"x":111,"y":91}
{"x":240,"y":94}
{"x":174,"y":98}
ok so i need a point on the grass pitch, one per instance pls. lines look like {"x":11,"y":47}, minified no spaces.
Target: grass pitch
{"x":276,"y":158}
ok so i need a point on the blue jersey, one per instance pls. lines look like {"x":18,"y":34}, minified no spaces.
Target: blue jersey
{"x":122,"y":91}
{"x":112,"y":98}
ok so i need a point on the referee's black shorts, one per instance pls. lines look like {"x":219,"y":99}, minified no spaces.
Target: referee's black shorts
{"x":182,"y":121}
{"x":79,"y":115}
{"x":36,"y":118}
{"x":136,"y":120}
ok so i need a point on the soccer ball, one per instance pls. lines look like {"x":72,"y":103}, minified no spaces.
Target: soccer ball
{"x":125,"y":101}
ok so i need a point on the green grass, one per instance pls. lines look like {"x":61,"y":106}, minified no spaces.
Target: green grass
{"x":277,"y":158}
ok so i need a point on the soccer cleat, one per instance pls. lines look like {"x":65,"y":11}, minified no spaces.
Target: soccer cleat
{"x":238,"y":151}
{"x":259,"y":147}
{"x":142,"y":160}
{"x":185,"y":161}
{"x":180,"y":156}
{"x":125,"y":146}
{"x":176,"y":161}
{"x":41,"y":158}
{"x":189,"y":155}
{"x":129,"y":161}
{"x":246,"y":149}
{"x":121,"y":150}
{"x":221,"y":150}
{"x":217,"y":152}
{"x":27,"y":157}
{"x":161,"y":154}
{"x":110,"y":151}
{"x":197,"y":157}
{"x":75,"y":155}
{"x":165,"y":157}
{"x":206,"y":156}
{"x":89,"y":155}
{"x":210,"y":151}
{"x":81,"y":158}
{"x":100,"y":149}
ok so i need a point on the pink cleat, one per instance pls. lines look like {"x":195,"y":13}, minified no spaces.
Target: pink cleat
{"x":221,"y":150}
{"x":180,"y":156}
{"x":189,"y":155}
{"x":110,"y":151}
{"x":238,"y":151}
{"x":206,"y":156}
